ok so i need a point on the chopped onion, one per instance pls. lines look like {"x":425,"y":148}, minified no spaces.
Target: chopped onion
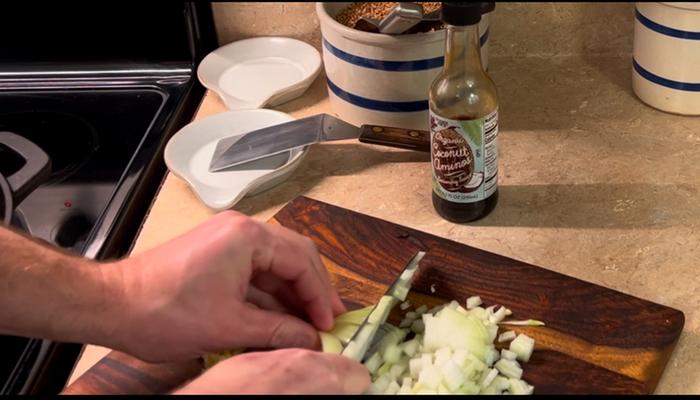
{"x":430,"y":377}
{"x":473,"y":301}
{"x":415,"y":366}
{"x":442,"y":389}
{"x":384,"y":370}
{"x":452,"y":375}
{"x":397,"y":370}
{"x":406,"y":386}
{"x":508,"y":355}
{"x":442,"y":355}
{"x":417,"y":326}
{"x":410,"y":347}
{"x":436,"y":309}
{"x":405,"y":323}
{"x":452,"y":352}
{"x":518,"y":386}
{"x":491,"y":356}
{"x":499,"y":384}
{"x":432,"y":288}
{"x":488,"y":377}
{"x":426,"y":360}
{"x":523,"y":346}
{"x":506,"y":336}
{"x":392,"y":354}
{"x":509,"y":368}
{"x":527,"y":322}
{"x":498,"y":315}
{"x":373,"y":363}
{"x":493,"y":332}
{"x":380,"y":385}
{"x":393,"y":388}
{"x":404,"y":306}
{"x":460,"y":357}
{"x":480,"y":313}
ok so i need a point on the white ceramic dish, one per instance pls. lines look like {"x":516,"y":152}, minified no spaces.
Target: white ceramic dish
{"x":189,"y":152}
{"x":260,"y":72}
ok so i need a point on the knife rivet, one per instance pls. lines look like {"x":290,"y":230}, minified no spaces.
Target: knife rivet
{"x":377,"y":129}
{"x":413,"y":134}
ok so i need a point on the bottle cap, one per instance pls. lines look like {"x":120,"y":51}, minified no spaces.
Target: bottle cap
{"x":464,"y":13}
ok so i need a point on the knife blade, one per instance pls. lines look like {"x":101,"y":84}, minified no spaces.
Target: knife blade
{"x":277,"y":139}
{"x":366,"y":335}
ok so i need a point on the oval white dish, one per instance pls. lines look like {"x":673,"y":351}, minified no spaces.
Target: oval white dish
{"x":260,"y":72}
{"x":188,"y":154}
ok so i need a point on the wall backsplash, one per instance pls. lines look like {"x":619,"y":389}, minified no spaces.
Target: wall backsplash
{"x":235,"y":21}
{"x":517,"y":29}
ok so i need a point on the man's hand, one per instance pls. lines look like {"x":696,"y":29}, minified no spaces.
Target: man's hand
{"x":230,"y":283}
{"x":289,"y":371}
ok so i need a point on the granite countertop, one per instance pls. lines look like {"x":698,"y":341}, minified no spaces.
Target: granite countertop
{"x":593,"y":184}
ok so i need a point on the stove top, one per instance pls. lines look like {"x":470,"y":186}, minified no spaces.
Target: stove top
{"x":103,"y":113}
{"x":90,"y":137}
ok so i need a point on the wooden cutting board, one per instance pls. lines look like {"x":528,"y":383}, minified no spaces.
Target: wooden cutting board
{"x":596,"y":340}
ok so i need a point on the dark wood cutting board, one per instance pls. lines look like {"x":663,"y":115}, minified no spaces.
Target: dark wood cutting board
{"x":596,"y":340}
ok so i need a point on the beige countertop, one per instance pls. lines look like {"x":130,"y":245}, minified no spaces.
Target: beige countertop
{"x":593,"y":184}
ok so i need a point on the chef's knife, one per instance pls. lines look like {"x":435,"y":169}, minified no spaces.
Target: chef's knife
{"x":277,"y":139}
{"x":371,"y":331}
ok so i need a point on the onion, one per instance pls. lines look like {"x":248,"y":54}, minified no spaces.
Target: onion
{"x":421,"y":309}
{"x":509,"y":368}
{"x":449,"y":349}
{"x":330,"y":343}
{"x":523,"y":346}
{"x":473,"y":302}
{"x":356,"y":317}
{"x":506,"y":336}
{"x":508,"y":355}
{"x":452,"y":351}
{"x":527,"y":322}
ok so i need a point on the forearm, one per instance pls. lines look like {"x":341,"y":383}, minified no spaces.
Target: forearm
{"x":49,"y":294}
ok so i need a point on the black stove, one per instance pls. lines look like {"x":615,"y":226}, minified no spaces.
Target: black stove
{"x":100,"y":88}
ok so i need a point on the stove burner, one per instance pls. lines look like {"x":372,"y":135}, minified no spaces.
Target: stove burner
{"x":10,"y":161}
{"x":69,"y":140}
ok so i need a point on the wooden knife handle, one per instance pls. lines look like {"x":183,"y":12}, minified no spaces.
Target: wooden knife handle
{"x":411,"y":139}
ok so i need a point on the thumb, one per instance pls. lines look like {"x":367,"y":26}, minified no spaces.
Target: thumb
{"x":271,"y":329}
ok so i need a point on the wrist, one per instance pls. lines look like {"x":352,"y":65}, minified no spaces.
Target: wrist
{"x":96,"y":311}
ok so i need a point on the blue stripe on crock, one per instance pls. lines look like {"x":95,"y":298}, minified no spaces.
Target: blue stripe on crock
{"x":401,"y":66}
{"x":378,"y":105}
{"x":689,"y":87}
{"x":665,"y":30}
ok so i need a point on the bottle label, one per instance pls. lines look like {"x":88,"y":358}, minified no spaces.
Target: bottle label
{"x":464,"y":156}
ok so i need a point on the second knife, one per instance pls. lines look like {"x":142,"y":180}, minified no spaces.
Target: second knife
{"x":277,"y":139}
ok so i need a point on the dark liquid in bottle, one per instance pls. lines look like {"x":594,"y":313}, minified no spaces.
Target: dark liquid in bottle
{"x":464,"y":212}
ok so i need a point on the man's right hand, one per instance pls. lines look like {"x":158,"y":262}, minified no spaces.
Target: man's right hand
{"x":288,"y":371}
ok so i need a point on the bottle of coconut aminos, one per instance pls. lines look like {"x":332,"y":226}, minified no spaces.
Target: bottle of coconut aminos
{"x":463,"y":122}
